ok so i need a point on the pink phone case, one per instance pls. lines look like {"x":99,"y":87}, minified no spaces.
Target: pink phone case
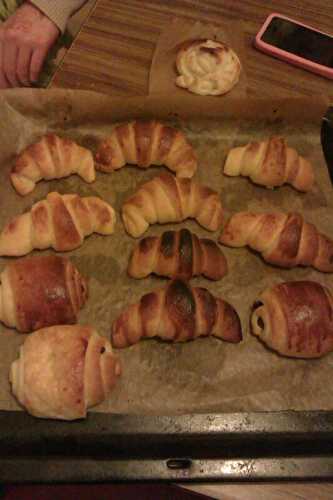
{"x":287,"y":56}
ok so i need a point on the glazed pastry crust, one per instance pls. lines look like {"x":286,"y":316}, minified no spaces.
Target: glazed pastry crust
{"x":295,"y":319}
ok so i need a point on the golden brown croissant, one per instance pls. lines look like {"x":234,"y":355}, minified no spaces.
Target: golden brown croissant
{"x":52,"y":157}
{"x":59,"y":221}
{"x":285,"y":240}
{"x":62,"y":371}
{"x":177,"y":254}
{"x":270,"y":163}
{"x":166,"y":198}
{"x":295,"y":319}
{"x":144,"y":144}
{"x":177,"y":313}
{"x":36,"y":292}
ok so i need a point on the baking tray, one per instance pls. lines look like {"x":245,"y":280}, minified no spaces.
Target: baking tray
{"x":291,"y":445}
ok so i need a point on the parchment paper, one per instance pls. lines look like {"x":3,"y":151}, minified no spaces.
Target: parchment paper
{"x":163,"y":71}
{"x":206,"y":375}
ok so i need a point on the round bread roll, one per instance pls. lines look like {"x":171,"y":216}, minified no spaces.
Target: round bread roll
{"x":207,"y":67}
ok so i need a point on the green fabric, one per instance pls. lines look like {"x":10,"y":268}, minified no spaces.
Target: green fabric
{"x":7,"y":8}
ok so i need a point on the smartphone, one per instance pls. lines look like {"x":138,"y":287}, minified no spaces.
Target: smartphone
{"x":297,"y":44}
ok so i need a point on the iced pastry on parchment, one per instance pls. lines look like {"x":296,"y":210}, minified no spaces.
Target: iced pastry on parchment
{"x":295,"y":319}
{"x":207,"y":67}
{"x":62,"y":371}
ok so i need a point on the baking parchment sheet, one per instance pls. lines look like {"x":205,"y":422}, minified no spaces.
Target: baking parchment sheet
{"x":205,"y":375}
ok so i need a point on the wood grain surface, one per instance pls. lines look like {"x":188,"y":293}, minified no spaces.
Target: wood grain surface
{"x":113,"y":52}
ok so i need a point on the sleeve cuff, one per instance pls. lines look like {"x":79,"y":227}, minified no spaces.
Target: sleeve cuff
{"x":59,"y":11}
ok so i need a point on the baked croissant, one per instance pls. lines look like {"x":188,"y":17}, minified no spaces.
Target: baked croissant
{"x":285,"y":240}
{"x":270,"y":163}
{"x":177,"y":254}
{"x":62,"y":371}
{"x":177,"y":313}
{"x":52,"y":157}
{"x":59,"y":221}
{"x":295,"y":319}
{"x":166,"y":198}
{"x":41,"y":291}
{"x":145,"y":144}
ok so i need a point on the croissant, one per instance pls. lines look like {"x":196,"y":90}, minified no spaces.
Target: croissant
{"x":52,"y":157}
{"x":166,"y":198}
{"x":177,"y":254}
{"x":62,"y":371}
{"x":41,"y":291}
{"x":285,"y":240}
{"x":144,"y":144}
{"x":59,"y":221}
{"x":270,"y":163}
{"x":295,"y":319}
{"x":177,"y":313}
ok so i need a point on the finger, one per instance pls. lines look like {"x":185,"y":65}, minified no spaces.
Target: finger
{"x":10,"y":53}
{"x":4,"y":84}
{"x":36,"y":64}
{"x":23,"y":66}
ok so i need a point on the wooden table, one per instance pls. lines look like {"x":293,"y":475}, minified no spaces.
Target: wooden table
{"x":114,"y":50}
{"x":113,"y":53}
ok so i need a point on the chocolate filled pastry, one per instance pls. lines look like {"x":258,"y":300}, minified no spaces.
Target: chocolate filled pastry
{"x":295,"y":319}
{"x":146,"y":143}
{"x":41,"y":291}
{"x":167,"y":198}
{"x":62,"y":371}
{"x":59,"y":221}
{"x":177,"y":254}
{"x":207,"y":67}
{"x":177,"y":313}
{"x":52,"y":157}
{"x":270,"y":163}
{"x":285,"y":240}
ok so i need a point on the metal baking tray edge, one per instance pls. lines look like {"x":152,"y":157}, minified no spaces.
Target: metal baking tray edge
{"x":258,"y":446}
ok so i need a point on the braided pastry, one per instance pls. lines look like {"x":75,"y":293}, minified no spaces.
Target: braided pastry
{"x":52,"y":157}
{"x":169,"y":199}
{"x":145,"y":144}
{"x":285,"y":240}
{"x":62,"y":371}
{"x":41,"y":291}
{"x":59,"y":221}
{"x":177,"y":313}
{"x":177,"y":254}
{"x":295,"y":319}
{"x":270,"y":163}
